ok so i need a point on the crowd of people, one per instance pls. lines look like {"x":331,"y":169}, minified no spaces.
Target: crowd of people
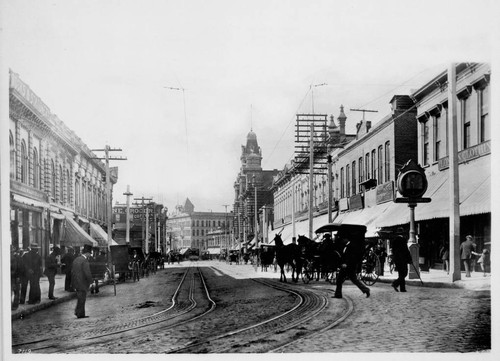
{"x":82,"y":268}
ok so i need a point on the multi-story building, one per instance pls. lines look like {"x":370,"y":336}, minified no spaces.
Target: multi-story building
{"x":57,"y":184}
{"x":186,"y":228}
{"x":252,"y":192}
{"x":474,"y":160}
{"x":152,"y":240}
{"x":291,"y":186}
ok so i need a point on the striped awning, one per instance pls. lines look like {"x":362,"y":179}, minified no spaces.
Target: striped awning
{"x":97,"y":233}
{"x":74,"y":235}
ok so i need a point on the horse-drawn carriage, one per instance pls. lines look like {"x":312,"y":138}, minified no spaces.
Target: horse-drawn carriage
{"x":321,"y":257}
{"x":127,"y":261}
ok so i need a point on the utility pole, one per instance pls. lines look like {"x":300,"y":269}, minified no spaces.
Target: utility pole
{"x":330,"y":200}
{"x":311,"y":180}
{"x":109,"y":204}
{"x":364,"y":110}
{"x":226,"y":227}
{"x":454,"y":189}
{"x":127,"y":231}
{"x":256,"y":222}
{"x":145,"y":233}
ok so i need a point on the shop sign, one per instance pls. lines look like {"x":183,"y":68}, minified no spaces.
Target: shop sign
{"x":385,"y":192}
{"x":27,"y":191}
{"x":356,"y":202}
{"x":467,"y":154}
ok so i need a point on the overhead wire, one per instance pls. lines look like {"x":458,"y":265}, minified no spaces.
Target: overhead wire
{"x":366,"y":104}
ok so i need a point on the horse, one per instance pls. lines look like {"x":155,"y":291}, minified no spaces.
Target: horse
{"x":287,"y":255}
{"x":310,"y":253}
{"x":266,"y":257}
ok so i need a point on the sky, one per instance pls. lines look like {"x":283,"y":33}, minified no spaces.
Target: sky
{"x":177,"y":85}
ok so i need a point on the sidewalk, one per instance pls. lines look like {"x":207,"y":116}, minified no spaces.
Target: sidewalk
{"x":433,"y":278}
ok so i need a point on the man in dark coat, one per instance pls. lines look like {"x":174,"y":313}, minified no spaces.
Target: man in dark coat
{"x":67,"y":261}
{"x":466,"y":253}
{"x":16,"y":272}
{"x":352,"y":251}
{"x":81,"y":278}
{"x":51,"y":270}
{"x":402,"y":258}
{"x":34,"y":272}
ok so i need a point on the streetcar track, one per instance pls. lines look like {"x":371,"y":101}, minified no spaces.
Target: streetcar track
{"x":309,"y":305}
{"x":159,"y":317}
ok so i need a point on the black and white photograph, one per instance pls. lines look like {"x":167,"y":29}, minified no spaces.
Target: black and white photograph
{"x":278,"y":179}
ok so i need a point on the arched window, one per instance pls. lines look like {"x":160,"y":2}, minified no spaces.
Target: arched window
{"x":53,"y":179}
{"x":77,"y":195}
{"x":61,"y":185}
{"x":68,"y":188}
{"x":36,"y":169}
{"x":24,"y":163}
{"x":12,"y":156}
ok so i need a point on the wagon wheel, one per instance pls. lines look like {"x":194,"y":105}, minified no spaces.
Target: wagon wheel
{"x":307,"y":272}
{"x":369,"y":272}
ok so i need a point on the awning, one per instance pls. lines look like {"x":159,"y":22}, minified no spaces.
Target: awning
{"x":28,"y":201}
{"x":57,"y":215}
{"x":97,"y":233}
{"x":213,"y":250}
{"x":74,"y":235}
{"x":475,"y":195}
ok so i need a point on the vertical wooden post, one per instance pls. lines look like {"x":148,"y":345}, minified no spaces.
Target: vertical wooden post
{"x":453,"y":176}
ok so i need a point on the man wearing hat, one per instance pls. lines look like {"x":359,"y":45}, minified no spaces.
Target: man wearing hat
{"x":51,"y":270}
{"x":81,"y":278}
{"x":34,"y":272}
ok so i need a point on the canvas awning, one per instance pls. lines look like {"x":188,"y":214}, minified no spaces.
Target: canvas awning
{"x":97,"y":233}
{"x":475,"y":196}
{"x":74,"y":235}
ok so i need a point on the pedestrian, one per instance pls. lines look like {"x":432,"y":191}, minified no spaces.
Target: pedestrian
{"x":24,"y":275}
{"x":444,"y":253}
{"x":34,"y":271}
{"x":484,"y":260}
{"x":382,"y":256}
{"x":100,"y":269}
{"x":81,"y":279}
{"x":401,"y":258}
{"x":466,"y":249}
{"x":352,"y":251}
{"x":66,"y":262}
{"x":51,"y":265}
{"x":16,"y":271}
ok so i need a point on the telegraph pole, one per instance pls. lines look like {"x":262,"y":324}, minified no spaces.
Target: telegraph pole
{"x":454,"y":190}
{"x":311,"y":180}
{"x":127,"y":232}
{"x":364,"y":110}
{"x":225,"y":230}
{"x":146,"y":231}
{"x":109,"y":212}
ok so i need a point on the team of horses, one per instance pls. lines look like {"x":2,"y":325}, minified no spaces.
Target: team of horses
{"x":322,"y":257}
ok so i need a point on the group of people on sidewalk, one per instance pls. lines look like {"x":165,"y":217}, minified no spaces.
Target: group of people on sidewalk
{"x":26,"y":270}
{"x":467,"y":254}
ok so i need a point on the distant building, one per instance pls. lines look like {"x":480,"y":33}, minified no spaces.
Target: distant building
{"x":186,"y":228}
{"x":252,"y":193}
{"x":57,"y":186}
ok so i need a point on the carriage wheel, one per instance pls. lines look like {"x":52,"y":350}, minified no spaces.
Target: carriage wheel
{"x":369,"y":277}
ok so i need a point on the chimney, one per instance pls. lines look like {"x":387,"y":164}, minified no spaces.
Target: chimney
{"x":342,"y":118}
{"x":401,"y":103}
{"x":368,"y":125}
